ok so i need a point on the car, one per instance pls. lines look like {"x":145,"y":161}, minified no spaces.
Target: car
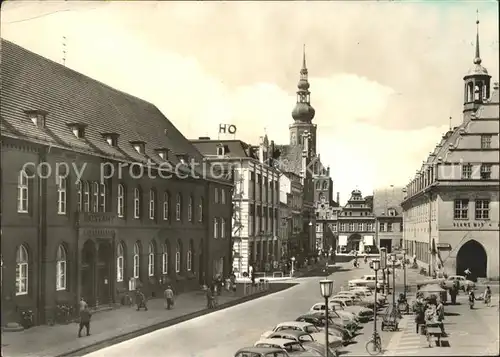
{"x":341,"y":313}
{"x":318,"y":320}
{"x":307,"y":340}
{"x":261,"y":352}
{"x":464,"y":282}
{"x":358,"y":298}
{"x":363,"y":314}
{"x":381,"y":298}
{"x":299,"y":326}
{"x":366,"y":280}
{"x":340,"y":320}
{"x":292,"y":348}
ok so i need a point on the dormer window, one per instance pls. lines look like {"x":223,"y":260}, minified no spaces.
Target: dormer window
{"x":139,"y":146}
{"x":162,"y":153}
{"x":392,"y":212}
{"x":111,"y":138}
{"x":78,"y":129}
{"x":183,"y":158}
{"x":37,"y":117}
{"x":220,"y":150}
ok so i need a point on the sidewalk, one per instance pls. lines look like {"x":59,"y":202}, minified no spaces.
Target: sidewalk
{"x":117,"y":325}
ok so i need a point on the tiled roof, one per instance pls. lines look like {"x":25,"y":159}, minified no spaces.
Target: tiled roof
{"x":32,"y":82}
{"x":232,"y":148}
{"x":384,"y":199}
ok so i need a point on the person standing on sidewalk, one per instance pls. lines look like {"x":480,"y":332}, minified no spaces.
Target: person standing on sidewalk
{"x":84,"y":321}
{"x":169,"y":297}
{"x":82,"y":304}
{"x":140,"y":300}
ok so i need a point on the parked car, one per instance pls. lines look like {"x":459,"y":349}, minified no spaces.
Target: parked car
{"x":344,"y":315}
{"x":293,"y":348}
{"x":381,"y":298}
{"x":307,"y":340}
{"x":362,"y":313}
{"x":299,"y":326}
{"x":319,"y":321}
{"x":358,"y":298}
{"x":337,"y":319}
{"x":464,"y":283}
{"x":261,"y":352}
{"x":365,"y":280}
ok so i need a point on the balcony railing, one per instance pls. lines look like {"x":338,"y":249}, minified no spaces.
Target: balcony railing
{"x":95,"y":218}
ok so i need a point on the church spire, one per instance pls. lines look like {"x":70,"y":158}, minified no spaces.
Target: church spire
{"x":304,"y":66}
{"x":477,"y":59}
{"x":303,"y":111}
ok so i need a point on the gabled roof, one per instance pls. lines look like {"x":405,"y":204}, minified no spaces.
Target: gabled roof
{"x":32,"y":82}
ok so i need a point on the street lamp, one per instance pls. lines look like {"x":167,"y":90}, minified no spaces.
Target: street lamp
{"x":404,"y":271}
{"x":393,"y":261}
{"x":376,"y":267}
{"x":293,"y":266}
{"x":326,"y":287}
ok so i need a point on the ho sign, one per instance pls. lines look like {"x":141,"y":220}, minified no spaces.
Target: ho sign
{"x":227,"y":128}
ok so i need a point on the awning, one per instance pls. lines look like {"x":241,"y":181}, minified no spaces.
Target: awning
{"x":368,"y":240}
{"x":342,"y":241}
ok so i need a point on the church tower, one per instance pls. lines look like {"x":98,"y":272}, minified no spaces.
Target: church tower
{"x":476,"y":81}
{"x":303,"y":113}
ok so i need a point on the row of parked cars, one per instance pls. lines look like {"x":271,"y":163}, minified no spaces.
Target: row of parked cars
{"x":305,"y":336}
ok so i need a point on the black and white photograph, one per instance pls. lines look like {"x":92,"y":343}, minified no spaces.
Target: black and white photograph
{"x":249,"y":178}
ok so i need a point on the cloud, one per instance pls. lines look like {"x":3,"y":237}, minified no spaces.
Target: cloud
{"x":384,"y":77}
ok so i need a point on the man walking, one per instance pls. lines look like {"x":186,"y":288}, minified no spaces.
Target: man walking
{"x":84,"y":321}
{"x":169,"y":297}
{"x":140,"y":300}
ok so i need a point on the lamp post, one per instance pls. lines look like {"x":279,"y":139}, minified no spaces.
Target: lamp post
{"x":293,"y":266}
{"x":404,"y":271}
{"x":393,"y":261}
{"x":326,"y":288}
{"x":376,"y":267}
{"x":383,"y":265}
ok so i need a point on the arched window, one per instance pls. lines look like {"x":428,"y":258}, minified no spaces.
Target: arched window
{"x":166,"y":205}
{"x":151,"y":259}
{"x":189,"y":257}
{"x":121,"y":200}
{"x":216,"y":228}
{"x":137,"y":203}
{"x":200,"y":210}
{"x":178,"y":207}
{"x":152,"y":203}
{"x":178,"y":258}
{"x":190,"y":209}
{"x":61,"y":266}
{"x":22,"y":192}
{"x":61,"y":195}
{"x":136,"y":260}
{"x":95,"y":196}
{"x":222,"y":228}
{"x":86,"y":196}
{"x":325,"y":185}
{"x":120,"y":257}
{"x":164,"y":259}
{"x":102,"y":197}
{"x":22,"y":270}
{"x":318,"y":185}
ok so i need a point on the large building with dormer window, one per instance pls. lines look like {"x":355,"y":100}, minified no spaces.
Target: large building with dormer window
{"x":451,"y":206}
{"x":98,"y":195}
{"x":389,"y":217}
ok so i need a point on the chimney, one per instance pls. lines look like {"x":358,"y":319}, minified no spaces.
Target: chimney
{"x":328,"y":171}
{"x":338,"y":198}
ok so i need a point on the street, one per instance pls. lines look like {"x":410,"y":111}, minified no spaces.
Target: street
{"x":223,"y":332}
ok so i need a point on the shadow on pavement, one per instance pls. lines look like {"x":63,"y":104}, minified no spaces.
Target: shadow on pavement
{"x":451,"y":314}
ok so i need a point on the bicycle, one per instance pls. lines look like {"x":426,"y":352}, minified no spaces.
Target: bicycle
{"x":374,"y":346}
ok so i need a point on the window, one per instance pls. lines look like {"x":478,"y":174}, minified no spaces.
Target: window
{"x":102,"y":200}
{"x":86,"y":196}
{"x":216,"y":228}
{"x":22,"y":271}
{"x":220,"y":151}
{"x":121,"y":199}
{"x":342,"y":227}
{"x":351,"y":227}
{"x":95,"y":197}
{"x":119,"y":262}
{"x":152,"y":202}
{"x":382,"y":227}
{"x":137,"y":203}
{"x":61,"y":195}
{"x":200,"y":210}
{"x":461,"y":209}
{"x":79,"y":196}
{"x":222,"y":228}
{"x":166,"y":204}
{"x":151,"y":260}
{"x":178,"y":207}
{"x":22,"y":192}
{"x":482,"y":209}
{"x":189,"y":257}
{"x":190,"y":209}
{"x":485,"y":171}
{"x":369,"y":227}
{"x":136,"y":260}
{"x":485,"y":141}
{"x":164,"y":259}
{"x":389,"y":227}
{"x":223,"y":196}
{"x":216,"y":195}
{"x":61,"y":268}
{"x":466,"y":171}
{"x":178,"y":258}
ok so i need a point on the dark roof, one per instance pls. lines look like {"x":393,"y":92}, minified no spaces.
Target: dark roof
{"x":32,"y":82}
{"x":232,"y":148}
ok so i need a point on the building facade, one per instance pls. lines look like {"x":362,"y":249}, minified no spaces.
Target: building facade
{"x":255,"y":199}
{"x":91,"y":204}
{"x":450,"y":212}
{"x":389,"y":217}
{"x":291,"y":195}
{"x":327,"y":226}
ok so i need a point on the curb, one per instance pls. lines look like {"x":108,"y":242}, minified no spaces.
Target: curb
{"x":145,"y":330}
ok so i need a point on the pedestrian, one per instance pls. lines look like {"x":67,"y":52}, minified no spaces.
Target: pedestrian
{"x":252,"y":274}
{"x":82,"y":304}
{"x":84,"y":321}
{"x":453,"y":294}
{"x":232,"y":278}
{"x":440,"y":316}
{"x":472,"y":298}
{"x":487,"y":296}
{"x":169,"y":297}
{"x":140,"y":300}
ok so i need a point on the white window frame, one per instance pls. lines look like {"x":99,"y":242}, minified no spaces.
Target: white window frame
{"x":482,"y":209}
{"x":200,"y":210}
{"x":61,"y":268}
{"x":222,"y":228}
{"x":120,"y":252}
{"x":178,"y":258}
{"x":178,"y":207}
{"x":166,"y":205}
{"x":216,"y":228}
{"x":151,"y":260}
{"x":22,"y":270}
{"x":137,"y":203}
{"x":102,"y":197}
{"x":164,"y":259}
{"x":461,"y":209}
{"x":61,"y":195}
{"x":152,"y":203}
{"x":86,"y":196}
{"x":216,"y":195}
{"x":190,"y":209}
{"x":95,"y":197}
{"x":189,"y":259}
{"x":136,"y":261}
{"x":120,"y":200}
{"x":23,"y":192}
{"x":222,"y":196}
{"x":79,"y":196}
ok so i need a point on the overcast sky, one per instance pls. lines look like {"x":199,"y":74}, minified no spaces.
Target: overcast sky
{"x":385,"y":77}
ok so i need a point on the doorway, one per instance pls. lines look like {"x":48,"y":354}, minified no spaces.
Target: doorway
{"x":472,"y":256}
{"x":104,"y":264}
{"x":87,"y":272}
{"x":387,"y":244}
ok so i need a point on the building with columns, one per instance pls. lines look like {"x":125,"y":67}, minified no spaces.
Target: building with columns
{"x":450,"y":211}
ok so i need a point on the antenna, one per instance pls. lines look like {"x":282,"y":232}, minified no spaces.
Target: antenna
{"x":64,"y":50}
